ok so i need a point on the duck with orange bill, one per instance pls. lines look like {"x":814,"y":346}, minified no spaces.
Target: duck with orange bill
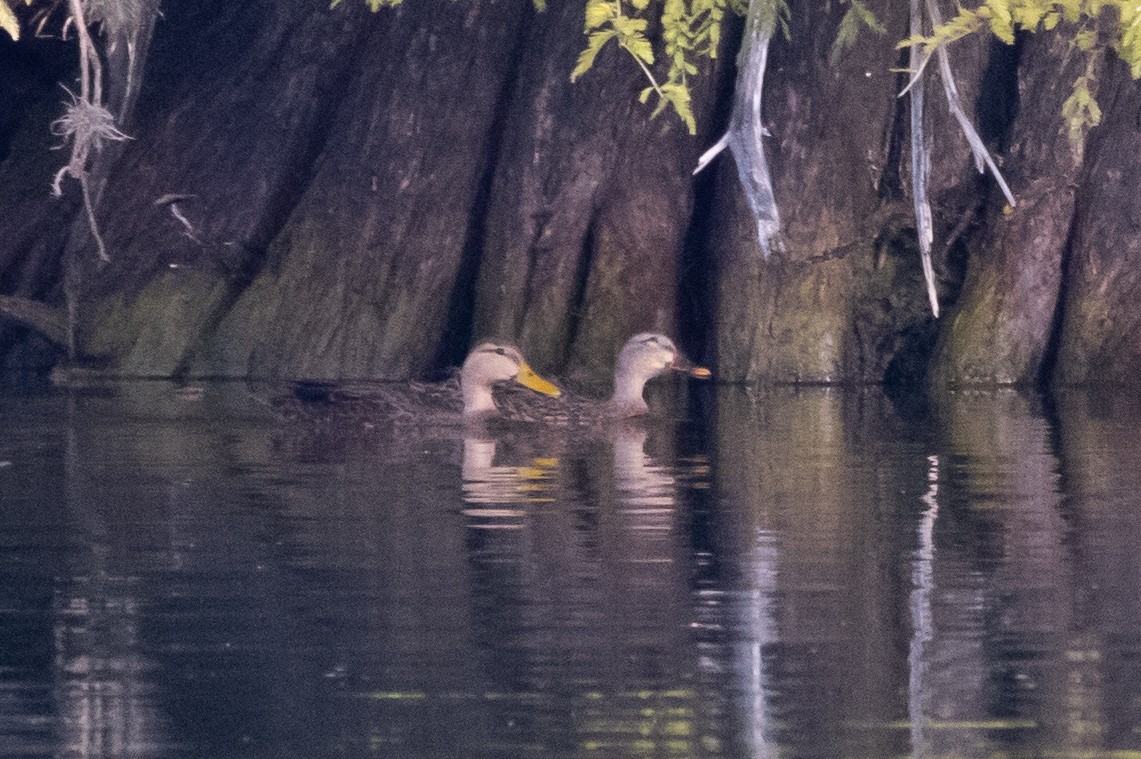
{"x":644,"y":357}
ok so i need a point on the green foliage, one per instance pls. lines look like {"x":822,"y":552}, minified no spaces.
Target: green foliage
{"x":1078,"y":20}
{"x":857,"y":17}
{"x":690,"y":29}
{"x":1081,"y":109}
{"x":8,"y":20}
{"x":1127,"y":43}
{"x":373,"y":5}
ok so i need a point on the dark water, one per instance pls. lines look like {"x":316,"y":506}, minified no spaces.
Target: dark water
{"x":800,"y":574}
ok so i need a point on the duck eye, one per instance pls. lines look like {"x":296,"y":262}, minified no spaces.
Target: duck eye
{"x":501,"y":351}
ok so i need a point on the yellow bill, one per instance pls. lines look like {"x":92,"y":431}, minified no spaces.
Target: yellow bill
{"x":700,"y":372}
{"x":527,"y":378}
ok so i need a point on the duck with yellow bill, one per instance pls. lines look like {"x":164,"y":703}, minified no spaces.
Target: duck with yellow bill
{"x":467,"y":399}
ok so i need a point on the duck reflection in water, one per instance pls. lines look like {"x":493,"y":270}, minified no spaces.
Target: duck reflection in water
{"x":640,"y":481}
{"x":486,"y":484}
{"x":580,"y":587}
{"x":644,"y":356}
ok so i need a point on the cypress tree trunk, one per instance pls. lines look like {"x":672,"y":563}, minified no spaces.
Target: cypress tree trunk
{"x":229,"y":120}
{"x":334,"y":193}
{"x":30,"y":225}
{"x":796,"y":316}
{"x":359,"y":278}
{"x":1101,"y":323}
{"x":1000,"y":330}
{"x":589,"y":206}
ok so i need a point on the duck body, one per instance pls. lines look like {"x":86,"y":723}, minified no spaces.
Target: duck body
{"x":463,"y":399}
{"x":370,"y":404}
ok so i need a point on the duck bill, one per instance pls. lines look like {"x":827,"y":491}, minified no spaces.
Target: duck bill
{"x":528,"y":379}
{"x":685,"y":366}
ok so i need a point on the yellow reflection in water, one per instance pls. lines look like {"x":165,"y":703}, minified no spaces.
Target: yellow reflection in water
{"x":488,"y":482}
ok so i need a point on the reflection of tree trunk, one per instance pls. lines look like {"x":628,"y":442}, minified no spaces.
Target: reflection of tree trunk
{"x":797,"y":510}
{"x":922,"y":630}
{"x":103,"y":690}
{"x":1042,"y":555}
{"x":1100,"y":449}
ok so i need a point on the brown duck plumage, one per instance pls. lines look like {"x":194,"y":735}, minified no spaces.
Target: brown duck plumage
{"x":464,"y":399}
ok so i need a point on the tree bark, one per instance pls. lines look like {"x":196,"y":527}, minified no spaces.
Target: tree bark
{"x":49,"y":322}
{"x":792,"y":318}
{"x":1101,"y":323}
{"x":333,"y":193}
{"x":999,"y":332}
{"x":589,"y":206}
{"x":359,"y":279}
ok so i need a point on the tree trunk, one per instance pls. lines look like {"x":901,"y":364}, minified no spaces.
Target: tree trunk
{"x":229,"y":120}
{"x":30,"y":224}
{"x":330,"y":193}
{"x":1000,"y":330}
{"x":589,"y":206}
{"x":1101,"y":323}
{"x":359,"y":280}
{"x":816,"y":313}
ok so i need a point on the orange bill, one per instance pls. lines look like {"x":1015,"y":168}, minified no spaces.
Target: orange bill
{"x":527,"y":378}
{"x":683,"y":364}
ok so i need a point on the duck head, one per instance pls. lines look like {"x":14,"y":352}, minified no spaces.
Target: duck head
{"x":490,"y":363}
{"x":643,"y":357}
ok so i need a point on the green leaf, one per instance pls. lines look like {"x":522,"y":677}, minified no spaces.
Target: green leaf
{"x":915,"y":39}
{"x":640,"y":48}
{"x":678,"y":96}
{"x":8,"y":21}
{"x":846,"y":34}
{"x":1085,"y":40}
{"x":1129,"y":45}
{"x":868,"y":18}
{"x":628,"y":26}
{"x":1071,"y":10}
{"x":1028,"y":15}
{"x":1081,"y":110}
{"x":598,"y":13}
{"x":1001,"y":21}
{"x":594,"y":44}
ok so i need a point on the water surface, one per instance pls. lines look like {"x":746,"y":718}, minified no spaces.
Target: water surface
{"x":793,"y":573}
